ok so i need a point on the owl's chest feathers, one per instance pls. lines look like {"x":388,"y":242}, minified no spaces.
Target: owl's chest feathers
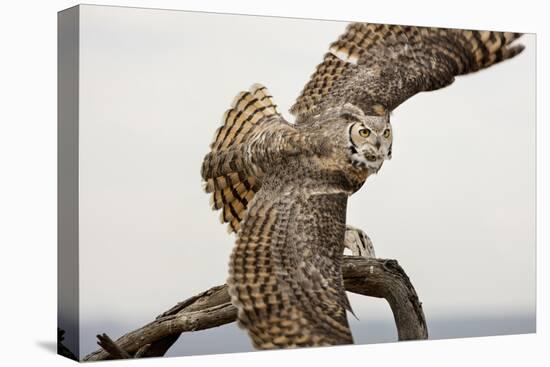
{"x":308,"y":176}
{"x":339,"y":163}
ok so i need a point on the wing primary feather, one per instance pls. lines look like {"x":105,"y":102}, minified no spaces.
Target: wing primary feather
{"x":285,"y":276}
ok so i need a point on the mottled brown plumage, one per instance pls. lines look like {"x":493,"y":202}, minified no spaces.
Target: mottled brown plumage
{"x":283,"y":187}
{"x":379,"y":66}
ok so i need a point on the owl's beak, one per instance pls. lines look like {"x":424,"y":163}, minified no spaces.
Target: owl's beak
{"x":371,"y":157}
{"x":378,"y":143}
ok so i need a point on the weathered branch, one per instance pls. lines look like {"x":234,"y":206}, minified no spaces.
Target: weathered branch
{"x":367,"y":276}
{"x":386,"y":279}
{"x":111,"y":347}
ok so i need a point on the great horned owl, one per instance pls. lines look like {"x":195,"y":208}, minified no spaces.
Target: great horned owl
{"x":283,"y":187}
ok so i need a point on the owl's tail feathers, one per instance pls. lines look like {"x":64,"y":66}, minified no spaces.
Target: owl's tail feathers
{"x":224,"y":171}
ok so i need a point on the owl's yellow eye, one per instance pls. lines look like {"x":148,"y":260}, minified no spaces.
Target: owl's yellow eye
{"x":387,"y":133}
{"x":364,"y":133}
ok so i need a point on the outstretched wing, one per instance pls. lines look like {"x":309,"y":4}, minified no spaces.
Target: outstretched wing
{"x":252,"y":138}
{"x":285,"y":270}
{"x":378,"y":66}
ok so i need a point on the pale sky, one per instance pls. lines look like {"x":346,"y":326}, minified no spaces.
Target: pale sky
{"x":455,"y":206}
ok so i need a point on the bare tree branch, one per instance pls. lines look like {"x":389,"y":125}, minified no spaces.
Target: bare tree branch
{"x":367,"y":276}
{"x":386,"y":279}
{"x":111,"y":347}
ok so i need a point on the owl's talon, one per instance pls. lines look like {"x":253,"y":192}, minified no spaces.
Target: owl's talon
{"x":358,"y":242}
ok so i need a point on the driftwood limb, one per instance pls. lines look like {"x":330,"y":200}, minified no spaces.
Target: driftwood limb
{"x":367,"y":276}
{"x":111,"y":347}
{"x":386,"y":279}
{"x":116,"y":351}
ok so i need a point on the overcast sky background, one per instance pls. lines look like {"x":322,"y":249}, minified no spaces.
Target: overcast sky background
{"x":455,"y":205}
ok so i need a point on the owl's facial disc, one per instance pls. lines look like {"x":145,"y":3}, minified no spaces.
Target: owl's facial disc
{"x":370,"y":142}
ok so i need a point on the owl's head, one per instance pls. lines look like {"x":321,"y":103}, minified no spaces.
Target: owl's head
{"x":360,"y":140}
{"x":369,"y":139}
